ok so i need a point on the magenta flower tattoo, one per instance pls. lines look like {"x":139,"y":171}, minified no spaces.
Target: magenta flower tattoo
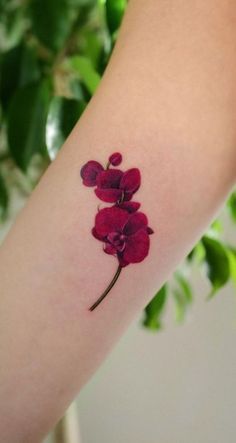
{"x":122,"y":229}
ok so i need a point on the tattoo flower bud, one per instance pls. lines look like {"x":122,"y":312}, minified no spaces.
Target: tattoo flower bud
{"x":115,"y":159}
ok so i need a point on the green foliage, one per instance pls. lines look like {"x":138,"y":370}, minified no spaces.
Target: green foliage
{"x":183,"y":297}
{"x":52,"y":56}
{"x":62,"y":115}
{"x":114,"y":13}
{"x":217,"y":263}
{"x":27,"y":118}
{"x":155,"y":309}
{"x":232,"y":205}
{"x":19,"y":67}
{"x":51,"y":21}
{"x":83,"y":68}
{"x":3,"y":199}
{"x":231,"y":252}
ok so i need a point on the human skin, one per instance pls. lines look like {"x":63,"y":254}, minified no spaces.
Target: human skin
{"x":167,"y":103}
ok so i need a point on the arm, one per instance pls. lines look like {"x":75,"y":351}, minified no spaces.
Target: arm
{"x":167,"y":103}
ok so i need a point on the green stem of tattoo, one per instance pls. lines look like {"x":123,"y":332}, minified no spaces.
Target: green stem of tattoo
{"x":107,"y":290}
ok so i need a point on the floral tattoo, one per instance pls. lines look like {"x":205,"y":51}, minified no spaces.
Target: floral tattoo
{"x":123,"y":230}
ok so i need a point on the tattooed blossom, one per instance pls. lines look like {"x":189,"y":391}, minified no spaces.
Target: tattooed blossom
{"x":123,"y":230}
{"x":124,"y":235}
{"x":112,"y":185}
{"x":115,"y":159}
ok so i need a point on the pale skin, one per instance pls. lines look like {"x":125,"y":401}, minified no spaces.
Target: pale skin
{"x":167,"y":102}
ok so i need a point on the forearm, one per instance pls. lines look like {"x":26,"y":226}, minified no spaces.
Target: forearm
{"x":167,"y":103}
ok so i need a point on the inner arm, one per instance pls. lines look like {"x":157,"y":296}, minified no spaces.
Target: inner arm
{"x":167,"y":104}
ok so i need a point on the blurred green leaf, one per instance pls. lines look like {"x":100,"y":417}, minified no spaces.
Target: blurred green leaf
{"x":27,"y":122}
{"x":185,"y":286}
{"x":83,"y":3}
{"x":232,"y":205}
{"x":30,"y":71}
{"x":231,"y":252}
{"x":180,"y":306}
{"x":77,"y":90}
{"x":182,"y":295}
{"x":63,"y":115}
{"x":3,"y":199}
{"x":154,"y":310}
{"x":114,"y":13}
{"x":18,"y":67}
{"x":91,"y":44}
{"x":12,"y":23}
{"x":216,"y":226}
{"x":197,"y":254}
{"x":83,"y":67}
{"x":51,"y":21}
{"x":217,"y":262}
{"x":10,"y":67}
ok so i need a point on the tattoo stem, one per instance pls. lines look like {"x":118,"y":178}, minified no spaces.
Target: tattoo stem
{"x":109,"y":287}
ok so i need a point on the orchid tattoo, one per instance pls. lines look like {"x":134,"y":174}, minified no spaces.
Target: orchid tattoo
{"x":122,"y":229}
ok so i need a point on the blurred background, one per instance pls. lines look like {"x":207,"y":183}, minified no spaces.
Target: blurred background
{"x":171,"y":378}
